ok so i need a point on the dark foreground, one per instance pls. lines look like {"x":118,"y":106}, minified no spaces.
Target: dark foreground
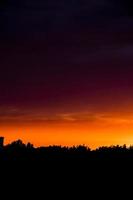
{"x":61,"y":171}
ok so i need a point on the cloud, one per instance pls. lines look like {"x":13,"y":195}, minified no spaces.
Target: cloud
{"x":13,"y":115}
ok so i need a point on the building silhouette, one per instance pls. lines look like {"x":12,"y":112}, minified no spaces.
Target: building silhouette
{"x":1,"y":142}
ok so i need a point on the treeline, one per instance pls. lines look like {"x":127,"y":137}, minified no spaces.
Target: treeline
{"x":65,"y":166}
{"x":17,"y":150}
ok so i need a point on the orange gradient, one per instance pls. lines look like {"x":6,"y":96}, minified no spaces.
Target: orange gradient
{"x":68,"y":132}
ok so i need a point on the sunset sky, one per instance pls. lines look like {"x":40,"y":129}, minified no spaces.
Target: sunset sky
{"x":66,"y":72}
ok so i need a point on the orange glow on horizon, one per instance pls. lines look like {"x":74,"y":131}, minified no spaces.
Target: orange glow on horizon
{"x":93,"y":134}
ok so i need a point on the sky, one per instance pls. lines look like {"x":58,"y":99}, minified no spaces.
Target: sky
{"x":66,"y":74}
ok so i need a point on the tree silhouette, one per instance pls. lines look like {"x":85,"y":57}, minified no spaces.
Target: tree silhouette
{"x":17,"y":150}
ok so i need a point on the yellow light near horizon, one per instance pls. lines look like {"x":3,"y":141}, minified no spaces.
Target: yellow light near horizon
{"x":69,"y":134}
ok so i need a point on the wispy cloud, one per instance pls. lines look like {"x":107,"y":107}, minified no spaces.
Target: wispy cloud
{"x":15,"y":115}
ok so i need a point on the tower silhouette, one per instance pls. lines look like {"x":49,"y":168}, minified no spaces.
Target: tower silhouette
{"x":1,"y":142}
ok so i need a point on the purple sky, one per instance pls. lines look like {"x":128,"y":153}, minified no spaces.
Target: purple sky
{"x":66,"y":56}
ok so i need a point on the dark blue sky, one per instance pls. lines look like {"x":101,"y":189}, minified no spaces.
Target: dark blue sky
{"x":66,"y":54}
{"x":32,"y":16}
